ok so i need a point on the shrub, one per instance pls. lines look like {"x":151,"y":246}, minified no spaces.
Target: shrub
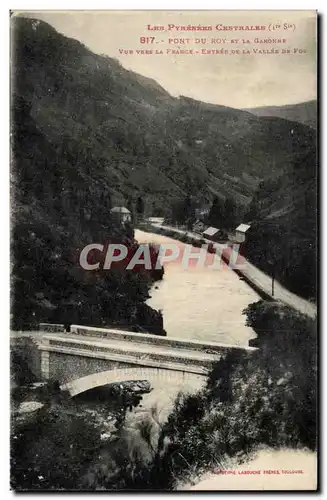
{"x":266,"y":397}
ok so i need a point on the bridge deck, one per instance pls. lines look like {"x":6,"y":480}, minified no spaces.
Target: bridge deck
{"x":130,"y":347}
{"x":67,"y":356}
{"x":144,"y":338}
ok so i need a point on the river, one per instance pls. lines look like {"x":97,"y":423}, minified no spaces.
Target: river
{"x":201,"y":303}
{"x":197,"y":303}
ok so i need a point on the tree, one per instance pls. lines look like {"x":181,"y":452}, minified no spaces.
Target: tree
{"x":189,"y":210}
{"x":229,"y":213}
{"x":216,"y":214}
{"x":183,"y":212}
{"x":263,"y":398}
{"x":52,"y":450}
{"x":130,"y":206}
{"x":58,"y":446}
{"x":140,"y":207}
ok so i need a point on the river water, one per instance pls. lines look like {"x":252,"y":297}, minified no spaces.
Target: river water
{"x":197,"y":303}
{"x":200,"y":303}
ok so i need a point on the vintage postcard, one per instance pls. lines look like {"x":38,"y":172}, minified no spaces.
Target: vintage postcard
{"x":163,"y":250}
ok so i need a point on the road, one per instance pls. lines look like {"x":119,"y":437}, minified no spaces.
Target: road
{"x":259,"y":278}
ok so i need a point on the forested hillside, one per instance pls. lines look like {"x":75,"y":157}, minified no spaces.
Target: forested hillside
{"x":303,"y":112}
{"x":283,"y":239}
{"x":135,"y":137}
{"x":57,"y":209}
{"x":87,"y":134}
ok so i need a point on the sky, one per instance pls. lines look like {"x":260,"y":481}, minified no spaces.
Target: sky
{"x":241,"y":80}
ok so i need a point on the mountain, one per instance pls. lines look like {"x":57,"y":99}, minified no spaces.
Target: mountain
{"x":53,"y":217}
{"x":283,"y":236}
{"x":304,"y":112}
{"x":87,"y":134}
{"x":132,"y":136}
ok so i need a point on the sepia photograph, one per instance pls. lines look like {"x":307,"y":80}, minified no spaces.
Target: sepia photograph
{"x":163,"y":250}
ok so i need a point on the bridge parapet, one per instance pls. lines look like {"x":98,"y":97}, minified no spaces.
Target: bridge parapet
{"x":52,"y":327}
{"x":145,"y":338}
{"x":86,"y":350}
{"x":123,"y":353}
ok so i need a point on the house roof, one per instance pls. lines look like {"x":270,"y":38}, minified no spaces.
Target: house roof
{"x":243,"y":228}
{"x":121,"y":210}
{"x":202,"y":211}
{"x":159,"y":220}
{"x":211,"y":231}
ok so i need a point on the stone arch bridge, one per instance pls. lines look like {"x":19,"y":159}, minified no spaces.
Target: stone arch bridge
{"x":89,"y":357}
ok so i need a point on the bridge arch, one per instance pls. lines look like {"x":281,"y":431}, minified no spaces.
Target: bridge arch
{"x":184,"y":380}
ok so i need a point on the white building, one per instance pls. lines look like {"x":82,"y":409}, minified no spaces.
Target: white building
{"x":212,"y":233}
{"x":240,"y":232}
{"x":157,"y":221}
{"x":121,"y":214}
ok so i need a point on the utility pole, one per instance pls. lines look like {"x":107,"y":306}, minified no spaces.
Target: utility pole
{"x":273,"y":281}
{"x":271,"y":263}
